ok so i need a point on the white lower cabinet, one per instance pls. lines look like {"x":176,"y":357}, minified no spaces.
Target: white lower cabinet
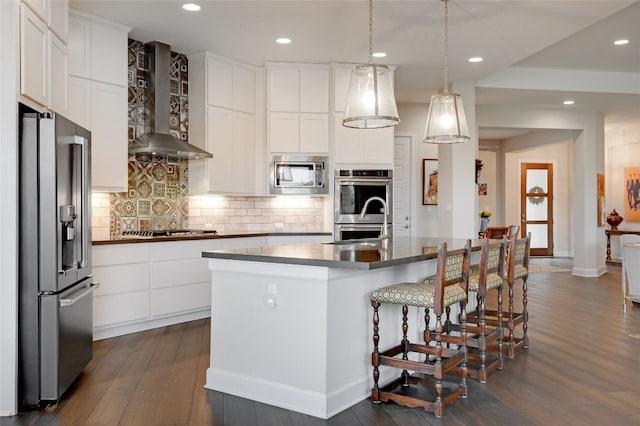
{"x":149,"y":285}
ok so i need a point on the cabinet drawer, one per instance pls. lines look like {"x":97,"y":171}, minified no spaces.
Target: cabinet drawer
{"x":173,"y":300}
{"x":121,"y":278}
{"x":180,"y":272}
{"x":120,"y":254}
{"x":118,"y":308}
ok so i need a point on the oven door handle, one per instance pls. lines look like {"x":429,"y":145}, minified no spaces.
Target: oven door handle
{"x":363,"y":181}
{"x":371,"y":227}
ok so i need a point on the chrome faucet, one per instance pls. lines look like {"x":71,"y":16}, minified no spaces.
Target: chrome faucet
{"x":383,"y":230}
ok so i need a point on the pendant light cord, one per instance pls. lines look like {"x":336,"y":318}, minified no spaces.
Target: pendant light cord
{"x":370,"y":31}
{"x":446,"y":46}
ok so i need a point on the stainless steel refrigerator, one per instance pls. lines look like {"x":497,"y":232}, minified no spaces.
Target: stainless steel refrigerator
{"x":55,"y":286}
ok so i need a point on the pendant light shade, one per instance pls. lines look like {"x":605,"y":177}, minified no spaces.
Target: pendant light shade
{"x":446,"y":121}
{"x":371,"y":103}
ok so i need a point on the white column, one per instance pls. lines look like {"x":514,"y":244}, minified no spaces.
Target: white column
{"x":8,"y":208}
{"x":456,"y":176}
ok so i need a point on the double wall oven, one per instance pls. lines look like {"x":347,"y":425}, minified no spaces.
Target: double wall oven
{"x":352,"y":190}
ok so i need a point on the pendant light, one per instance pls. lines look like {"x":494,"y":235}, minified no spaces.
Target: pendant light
{"x":371,"y":103}
{"x":446,"y":122}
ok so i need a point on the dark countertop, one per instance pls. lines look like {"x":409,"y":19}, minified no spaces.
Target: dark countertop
{"x":364,"y":254}
{"x":133,"y":239}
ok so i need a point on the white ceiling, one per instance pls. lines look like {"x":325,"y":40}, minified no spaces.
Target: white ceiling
{"x":515,"y":35}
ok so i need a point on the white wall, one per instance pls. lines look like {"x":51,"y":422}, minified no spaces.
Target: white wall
{"x":489,"y":176}
{"x":622,"y":150}
{"x":561,"y":156}
{"x":8,"y":209}
{"x":413,"y":120}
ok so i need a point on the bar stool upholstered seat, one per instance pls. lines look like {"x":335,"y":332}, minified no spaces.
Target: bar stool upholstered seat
{"x":434,"y":360}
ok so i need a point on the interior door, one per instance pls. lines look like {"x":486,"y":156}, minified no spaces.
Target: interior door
{"x":402,"y":187}
{"x":536,"y":206}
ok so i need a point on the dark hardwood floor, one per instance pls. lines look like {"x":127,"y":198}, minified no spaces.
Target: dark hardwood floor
{"x":582,"y":368}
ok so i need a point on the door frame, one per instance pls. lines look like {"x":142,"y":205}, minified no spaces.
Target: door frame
{"x":524,"y":195}
{"x":412,"y":178}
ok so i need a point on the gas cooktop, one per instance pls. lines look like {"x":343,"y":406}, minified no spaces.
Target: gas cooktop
{"x":168,"y":233}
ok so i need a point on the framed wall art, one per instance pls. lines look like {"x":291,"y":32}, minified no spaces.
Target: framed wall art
{"x":429,"y":181}
{"x":632,"y":193}
{"x":601,"y":214}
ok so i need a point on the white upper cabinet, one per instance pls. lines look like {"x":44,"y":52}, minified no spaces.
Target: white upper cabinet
{"x":284,"y":89}
{"x":314,"y":90}
{"x":43,"y":53}
{"x":222,"y":102}
{"x":58,"y":18}
{"x":298,"y":108}
{"x":230,"y":85}
{"x":98,"y":95}
{"x":34,"y":75}
{"x":97,"y":49}
{"x":341,"y":81}
{"x":79,"y":47}
{"x":58,"y":74}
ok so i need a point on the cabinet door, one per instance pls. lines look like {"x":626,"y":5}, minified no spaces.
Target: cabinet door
{"x":219,"y":83}
{"x":314,"y":89}
{"x":284,"y":89}
{"x":244,"y":89}
{"x":108,"y":54}
{"x":79,"y":47}
{"x":341,"y":81}
{"x":109,"y":137}
{"x":40,"y":7}
{"x":59,"y":18}
{"x":220,"y":144}
{"x":79,"y":94}
{"x":348,"y":142}
{"x":58,"y":75}
{"x":314,"y":133}
{"x":33,"y":56}
{"x":284,"y":132}
{"x":243,"y":162}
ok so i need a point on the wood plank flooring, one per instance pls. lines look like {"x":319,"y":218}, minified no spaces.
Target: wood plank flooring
{"x":582,"y":368}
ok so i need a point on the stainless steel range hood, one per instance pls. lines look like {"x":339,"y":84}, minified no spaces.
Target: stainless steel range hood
{"x":158,"y":139}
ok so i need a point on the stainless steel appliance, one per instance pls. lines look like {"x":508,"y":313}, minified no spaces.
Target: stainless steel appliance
{"x":298,"y":174}
{"x":55,"y":289}
{"x":352,"y":190}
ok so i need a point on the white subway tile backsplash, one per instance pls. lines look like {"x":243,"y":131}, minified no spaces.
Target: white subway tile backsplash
{"x":233,"y":214}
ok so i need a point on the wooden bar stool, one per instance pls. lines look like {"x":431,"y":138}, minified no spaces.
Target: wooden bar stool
{"x":516,"y":267}
{"x":485,"y":276}
{"x":480,"y":334}
{"x":449,"y":288}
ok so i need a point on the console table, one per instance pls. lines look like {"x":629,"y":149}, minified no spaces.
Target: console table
{"x":611,"y":232}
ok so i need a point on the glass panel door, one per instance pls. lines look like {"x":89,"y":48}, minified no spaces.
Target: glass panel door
{"x":536,"y":202}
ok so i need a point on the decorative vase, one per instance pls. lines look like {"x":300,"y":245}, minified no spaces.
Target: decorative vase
{"x":614,"y":219}
{"x":484,"y":223}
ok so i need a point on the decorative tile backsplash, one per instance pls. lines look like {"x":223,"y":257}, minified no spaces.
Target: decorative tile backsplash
{"x":157,"y":197}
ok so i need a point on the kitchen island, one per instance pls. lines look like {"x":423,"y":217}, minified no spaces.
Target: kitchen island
{"x":291,"y":325}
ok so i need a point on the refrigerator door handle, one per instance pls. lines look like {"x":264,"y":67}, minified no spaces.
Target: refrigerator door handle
{"x":72,"y":301}
{"x":84,"y":191}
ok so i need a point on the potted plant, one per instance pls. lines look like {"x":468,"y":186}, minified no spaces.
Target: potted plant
{"x":484,"y":219}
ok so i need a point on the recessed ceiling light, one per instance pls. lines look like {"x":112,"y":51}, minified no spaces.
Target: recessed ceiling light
{"x":191,"y":7}
{"x":476,"y":59}
{"x":569,"y":102}
{"x":621,"y":42}
{"x":283,"y":40}
{"x":379,"y":54}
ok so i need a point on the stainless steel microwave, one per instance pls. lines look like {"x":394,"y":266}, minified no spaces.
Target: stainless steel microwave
{"x":298,"y":174}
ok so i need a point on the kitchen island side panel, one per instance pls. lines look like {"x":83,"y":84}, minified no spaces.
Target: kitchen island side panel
{"x":311,"y":353}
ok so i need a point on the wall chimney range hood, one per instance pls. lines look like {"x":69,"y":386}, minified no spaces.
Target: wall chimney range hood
{"x":158,"y":139}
